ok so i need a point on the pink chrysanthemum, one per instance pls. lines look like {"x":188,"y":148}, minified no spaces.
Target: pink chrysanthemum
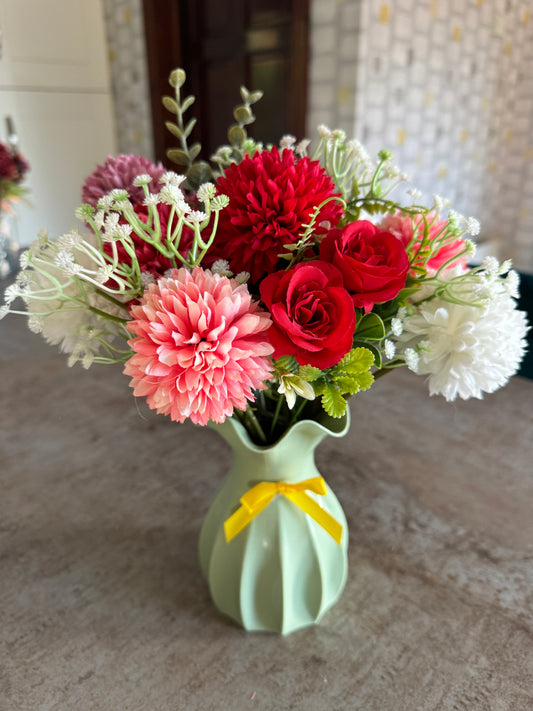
{"x":272,"y":197}
{"x":119,"y":172}
{"x":404,"y":227}
{"x":200,"y":346}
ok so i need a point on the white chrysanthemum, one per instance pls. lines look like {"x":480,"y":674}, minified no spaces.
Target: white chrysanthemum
{"x":467,"y":350}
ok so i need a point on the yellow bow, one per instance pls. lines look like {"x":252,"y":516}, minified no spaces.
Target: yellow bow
{"x":258,"y":497}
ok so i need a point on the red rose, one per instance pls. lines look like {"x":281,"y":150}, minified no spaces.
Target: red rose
{"x":312,"y":313}
{"x":374,"y":264}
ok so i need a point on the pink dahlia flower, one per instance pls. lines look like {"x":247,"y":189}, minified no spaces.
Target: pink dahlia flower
{"x":119,"y":172}
{"x":200,"y":346}
{"x":271,"y":198}
{"x":403,"y":228}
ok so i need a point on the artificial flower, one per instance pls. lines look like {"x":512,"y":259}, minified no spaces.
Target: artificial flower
{"x":467,"y":349}
{"x":150,"y":258}
{"x":272,"y":196}
{"x":374,"y":263}
{"x":200,"y":346}
{"x":406,"y":228}
{"x":120,"y":172}
{"x":312,"y":313}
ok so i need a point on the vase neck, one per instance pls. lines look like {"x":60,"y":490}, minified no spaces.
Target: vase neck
{"x":291,"y":459}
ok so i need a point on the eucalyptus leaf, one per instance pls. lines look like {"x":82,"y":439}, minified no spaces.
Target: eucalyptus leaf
{"x":243,"y":115}
{"x":194,"y":151}
{"x":236,"y":135}
{"x":187,"y":103}
{"x":174,"y":130}
{"x":199,"y":173}
{"x":188,"y":128}
{"x":255,"y":96}
{"x":178,"y":156}
{"x":170,"y":104}
{"x":177,"y":78}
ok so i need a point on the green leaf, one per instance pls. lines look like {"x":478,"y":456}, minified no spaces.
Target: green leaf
{"x":333,"y":402}
{"x":347,"y":384}
{"x":356,"y":361}
{"x":365,"y":381}
{"x":199,"y":173}
{"x":288,"y":363}
{"x":242,"y":114}
{"x":255,"y":96}
{"x":378,"y":359}
{"x":370,"y":327}
{"x":189,"y":127}
{"x":170,"y":104}
{"x":194,"y":151}
{"x":177,"y":78}
{"x":309,"y":373}
{"x":178,"y":156}
{"x":174,"y":130}
{"x":236,"y":135}
{"x":187,"y":103}
{"x":407,"y":292}
{"x":245,"y":94}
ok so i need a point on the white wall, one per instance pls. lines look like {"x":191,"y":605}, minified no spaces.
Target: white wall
{"x":448,"y":87}
{"x":54,"y":83}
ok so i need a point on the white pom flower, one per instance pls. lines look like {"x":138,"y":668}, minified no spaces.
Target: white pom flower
{"x":206,"y":192}
{"x":287,"y":141}
{"x":467,"y":350}
{"x":390,"y":349}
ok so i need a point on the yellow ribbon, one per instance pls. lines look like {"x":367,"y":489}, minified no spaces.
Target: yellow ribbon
{"x":258,"y":497}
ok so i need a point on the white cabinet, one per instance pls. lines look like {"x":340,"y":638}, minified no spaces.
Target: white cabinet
{"x":54,"y":83}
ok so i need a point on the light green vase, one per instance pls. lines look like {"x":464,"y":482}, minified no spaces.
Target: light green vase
{"x":283,"y":570}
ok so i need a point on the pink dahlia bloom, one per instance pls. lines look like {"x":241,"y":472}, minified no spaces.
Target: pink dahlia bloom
{"x":271,"y":197}
{"x":119,"y":172}
{"x":402,"y":227}
{"x":200,"y":346}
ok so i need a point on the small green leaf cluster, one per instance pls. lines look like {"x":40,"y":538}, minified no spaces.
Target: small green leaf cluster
{"x":197,"y":171}
{"x":240,"y":143}
{"x":349,"y":376}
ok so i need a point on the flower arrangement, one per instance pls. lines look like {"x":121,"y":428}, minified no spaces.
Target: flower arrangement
{"x":13,"y":168}
{"x":271,"y":285}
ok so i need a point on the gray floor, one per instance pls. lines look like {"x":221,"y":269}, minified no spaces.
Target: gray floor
{"x":102,"y":605}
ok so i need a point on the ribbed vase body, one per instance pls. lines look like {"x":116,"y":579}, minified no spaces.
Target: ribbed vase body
{"x":283,"y":570}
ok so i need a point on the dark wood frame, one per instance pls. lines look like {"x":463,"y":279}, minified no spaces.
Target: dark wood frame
{"x":164,"y":49}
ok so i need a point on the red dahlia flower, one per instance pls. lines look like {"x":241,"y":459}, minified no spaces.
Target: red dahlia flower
{"x":271,"y":197}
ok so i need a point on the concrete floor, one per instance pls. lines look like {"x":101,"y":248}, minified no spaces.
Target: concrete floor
{"x":102,"y":605}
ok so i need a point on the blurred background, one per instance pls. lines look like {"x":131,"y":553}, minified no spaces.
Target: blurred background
{"x":446,"y":85}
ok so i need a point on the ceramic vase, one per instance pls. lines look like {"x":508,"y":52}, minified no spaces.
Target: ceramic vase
{"x":284,"y":569}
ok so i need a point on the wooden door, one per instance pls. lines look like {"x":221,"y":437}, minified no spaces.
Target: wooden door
{"x":223,"y":44}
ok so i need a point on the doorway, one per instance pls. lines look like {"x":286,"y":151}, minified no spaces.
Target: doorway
{"x":223,"y":44}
